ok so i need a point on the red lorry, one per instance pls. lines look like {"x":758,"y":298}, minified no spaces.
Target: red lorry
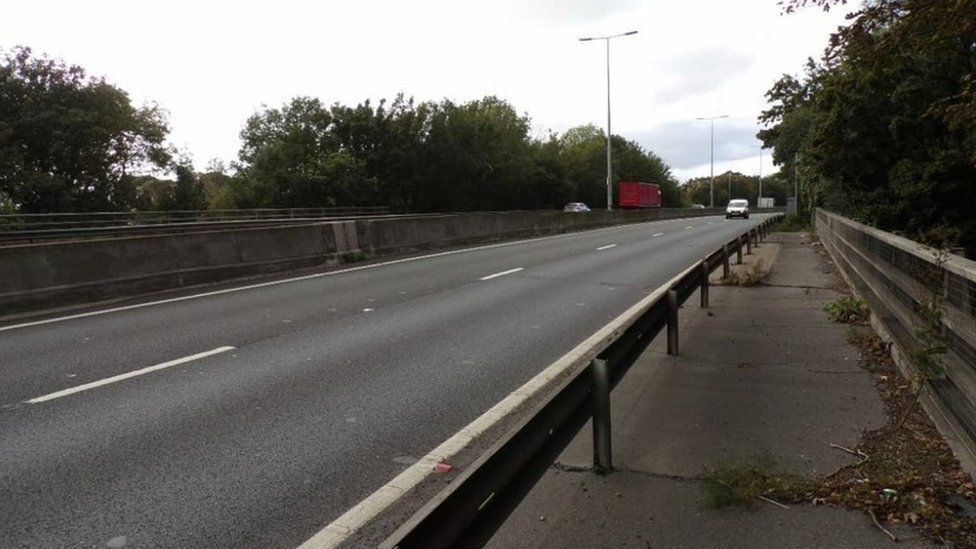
{"x":638,"y":195}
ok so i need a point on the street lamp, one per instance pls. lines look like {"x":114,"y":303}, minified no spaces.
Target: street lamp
{"x":609,"y":167}
{"x":711,"y":188}
{"x":759,"y":199}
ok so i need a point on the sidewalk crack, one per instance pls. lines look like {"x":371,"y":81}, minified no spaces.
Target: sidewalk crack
{"x":566,"y":468}
{"x":803,"y":286}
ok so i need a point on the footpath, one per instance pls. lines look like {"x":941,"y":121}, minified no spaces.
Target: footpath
{"x":767,"y":395}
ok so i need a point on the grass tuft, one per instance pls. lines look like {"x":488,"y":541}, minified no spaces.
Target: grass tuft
{"x":742,"y":486}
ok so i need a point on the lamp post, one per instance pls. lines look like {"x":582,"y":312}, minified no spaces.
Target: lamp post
{"x":711,"y":188}
{"x":759,"y":198}
{"x":609,"y":165}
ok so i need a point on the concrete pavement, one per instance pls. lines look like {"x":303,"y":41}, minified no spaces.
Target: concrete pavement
{"x":764,"y":380}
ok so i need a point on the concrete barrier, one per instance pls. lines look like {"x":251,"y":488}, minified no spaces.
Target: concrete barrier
{"x":46,"y":275}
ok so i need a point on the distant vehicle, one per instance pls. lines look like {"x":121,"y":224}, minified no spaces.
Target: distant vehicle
{"x":698,"y":206}
{"x":737,"y":208}
{"x":632,"y":196}
{"x":576,"y":207}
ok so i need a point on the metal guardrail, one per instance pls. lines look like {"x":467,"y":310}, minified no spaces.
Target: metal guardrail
{"x":897,"y":276}
{"x":77,"y":220}
{"x":26,"y":228}
{"x":63,"y":234}
{"x":473,"y":506}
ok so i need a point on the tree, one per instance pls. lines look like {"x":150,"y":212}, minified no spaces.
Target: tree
{"x":775,"y":186}
{"x":187,"y":193}
{"x":883,"y":127}
{"x":441,"y":156}
{"x":584,"y":154}
{"x":69,"y":142}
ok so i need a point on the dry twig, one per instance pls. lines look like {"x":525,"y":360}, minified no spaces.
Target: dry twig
{"x":856,"y":453}
{"x":774,"y":502}
{"x":882,"y":528}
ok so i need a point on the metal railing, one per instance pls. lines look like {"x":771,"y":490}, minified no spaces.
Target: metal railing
{"x":30,"y":228}
{"x":471,"y":507}
{"x":898,"y":277}
{"x":10,"y":236}
{"x":77,"y":220}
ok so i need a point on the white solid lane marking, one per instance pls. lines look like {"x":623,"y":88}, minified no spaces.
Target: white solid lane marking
{"x":657,"y":235}
{"x":688,"y":227}
{"x":607,"y":247}
{"x":503,"y":273}
{"x":120,"y":377}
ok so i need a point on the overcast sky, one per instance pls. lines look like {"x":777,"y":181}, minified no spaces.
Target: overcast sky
{"x":212,"y":64}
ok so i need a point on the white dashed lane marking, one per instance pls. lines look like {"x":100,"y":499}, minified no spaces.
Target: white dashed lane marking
{"x":503,"y":273}
{"x":128,"y":375}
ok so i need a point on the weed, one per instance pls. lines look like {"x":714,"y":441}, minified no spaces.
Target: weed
{"x":354,"y":257}
{"x":850,"y":310}
{"x":753,"y":277}
{"x":793,"y":224}
{"x":743,"y":486}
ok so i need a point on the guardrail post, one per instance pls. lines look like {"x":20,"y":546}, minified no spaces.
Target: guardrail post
{"x":725,"y":260}
{"x":704,"y":283}
{"x":749,"y":243}
{"x":762,"y":231}
{"x":602,"y":455}
{"x":672,"y":306}
{"x":738,"y":251}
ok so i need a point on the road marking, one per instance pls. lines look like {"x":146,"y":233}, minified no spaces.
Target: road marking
{"x":503,"y":273}
{"x":688,"y":227}
{"x":655,"y":235}
{"x":317,"y":275}
{"x":607,"y":247}
{"x":120,"y":377}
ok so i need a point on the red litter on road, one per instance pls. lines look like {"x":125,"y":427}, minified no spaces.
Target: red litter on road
{"x":443,"y":467}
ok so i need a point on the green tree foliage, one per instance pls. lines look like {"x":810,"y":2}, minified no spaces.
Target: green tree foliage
{"x":442,"y":156}
{"x":187,"y":193}
{"x":476,"y":156}
{"x":883,"y":128}
{"x":584,"y":154}
{"x":776,"y":186}
{"x":69,"y":142}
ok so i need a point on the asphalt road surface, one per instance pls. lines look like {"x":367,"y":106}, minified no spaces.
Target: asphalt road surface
{"x":252,"y":417}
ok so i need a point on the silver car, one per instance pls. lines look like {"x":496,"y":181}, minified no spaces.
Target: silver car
{"x":576,"y":207}
{"x":737,"y":208}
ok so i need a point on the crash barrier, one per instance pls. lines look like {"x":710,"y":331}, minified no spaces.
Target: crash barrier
{"x":55,"y":274}
{"x":533,"y":425}
{"x":904,"y":283}
{"x":75,"y":220}
{"x":23,"y":229}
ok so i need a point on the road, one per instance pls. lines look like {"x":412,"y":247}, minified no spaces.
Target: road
{"x":252,"y":417}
